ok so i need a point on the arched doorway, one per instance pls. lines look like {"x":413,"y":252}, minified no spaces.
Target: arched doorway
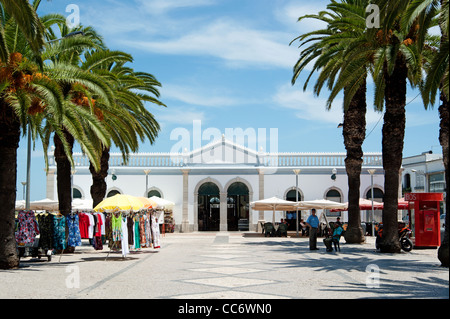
{"x":238,"y":207}
{"x":208,"y":207}
{"x":291,"y":217}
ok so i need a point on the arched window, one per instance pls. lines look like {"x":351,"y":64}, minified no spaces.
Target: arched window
{"x":377,"y":194}
{"x":153,"y":192}
{"x":112,"y":193}
{"x":76,"y":193}
{"x":291,"y":195}
{"x":334,"y":196}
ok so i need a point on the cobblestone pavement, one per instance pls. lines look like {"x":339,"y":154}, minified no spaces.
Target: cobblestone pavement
{"x":242,"y":266}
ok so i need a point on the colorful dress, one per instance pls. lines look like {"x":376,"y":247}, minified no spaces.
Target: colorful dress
{"x":59,"y":232}
{"x":137,"y":241}
{"x":74,"y":231}
{"x":27,"y":228}
{"x":116,"y":228}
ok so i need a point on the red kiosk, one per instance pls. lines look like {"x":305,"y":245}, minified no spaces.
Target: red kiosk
{"x":426,"y":218}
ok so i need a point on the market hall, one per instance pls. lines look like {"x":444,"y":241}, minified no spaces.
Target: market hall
{"x":212,"y":186}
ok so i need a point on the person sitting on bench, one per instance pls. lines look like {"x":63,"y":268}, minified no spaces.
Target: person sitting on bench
{"x":335,"y":237}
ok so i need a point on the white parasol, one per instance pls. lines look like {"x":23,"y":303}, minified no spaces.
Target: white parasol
{"x":273,"y":204}
{"x":44,"y":204}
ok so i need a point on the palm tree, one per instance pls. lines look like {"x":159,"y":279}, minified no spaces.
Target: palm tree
{"x":437,"y":78}
{"x":344,"y":25}
{"x":81,"y":90}
{"x":127,"y":120}
{"x":399,"y":58}
{"x":23,"y":93}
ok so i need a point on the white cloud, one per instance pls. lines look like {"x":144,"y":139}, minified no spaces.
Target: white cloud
{"x":229,"y":41}
{"x":289,"y":14}
{"x":307,"y":106}
{"x":156,"y":7}
{"x":197,"y":96}
{"x":179,"y":116}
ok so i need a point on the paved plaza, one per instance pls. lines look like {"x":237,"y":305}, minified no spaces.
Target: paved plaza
{"x":242,"y":266}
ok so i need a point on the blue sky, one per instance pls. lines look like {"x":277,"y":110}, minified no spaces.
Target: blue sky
{"x":228,"y":64}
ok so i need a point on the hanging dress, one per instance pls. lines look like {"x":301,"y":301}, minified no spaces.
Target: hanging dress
{"x":155,"y":233}
{"x":148,"y":231}
{"x":116,"y":227}
{"x":45,"y":222}
{"x":137,"y":235}
{"x":59,"y":232}
{"x":125,"y":248}
{"x":143,"y":238}
{"x":74,"y":238}
{"x":27,"y":228}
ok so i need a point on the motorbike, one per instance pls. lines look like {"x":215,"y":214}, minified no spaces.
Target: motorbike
{"x":404,"y":234}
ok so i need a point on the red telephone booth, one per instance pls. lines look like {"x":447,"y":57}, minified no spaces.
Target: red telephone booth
{"x":426,"y":227}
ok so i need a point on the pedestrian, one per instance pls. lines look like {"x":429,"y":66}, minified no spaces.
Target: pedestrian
{"x":303,"y":226}
{"x":313,"y":224}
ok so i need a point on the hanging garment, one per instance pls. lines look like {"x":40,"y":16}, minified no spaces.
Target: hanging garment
{"x":103,"y":226}
{"x":108,"y":230}
{"x":148,"y":231}
{"x":143,"y":238}
{"x":97,"y":240}
{"x":91,"y":226}
{"x":45,"y":222}
{"x":59,"y":232}
{"x":84,"y":225}
{"x":27,"y":228}
{"x":130,"y":231}
{"x":155,"y":233}
{"x":125,"y":248}
{"x":73,"y":224}
{"x":116,"y":226}
{"x":137,"y":235}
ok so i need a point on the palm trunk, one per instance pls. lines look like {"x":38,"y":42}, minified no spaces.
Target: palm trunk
{"x":354,"y":132}
{"x":98,"y":188}
{"x":392,"y":144}
{"x":443,"y":251}
{"x":64,"y":174}
{"x":9,"y":142}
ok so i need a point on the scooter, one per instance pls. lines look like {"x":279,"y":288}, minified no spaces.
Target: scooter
{"x":404,"y":234}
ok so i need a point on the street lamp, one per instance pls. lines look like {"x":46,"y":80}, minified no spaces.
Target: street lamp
{"x":296,"y":172}
{"x":73,"y":171}
{"x":23,"y":184}
{"x":146,"y":171}
{"x":371,"y":172}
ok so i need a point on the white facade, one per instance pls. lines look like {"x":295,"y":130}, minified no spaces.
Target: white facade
{"x":179,"y":177}
{"x":424,"y":173}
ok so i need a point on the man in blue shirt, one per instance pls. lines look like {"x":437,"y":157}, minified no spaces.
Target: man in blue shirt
{"x":313,"y":223}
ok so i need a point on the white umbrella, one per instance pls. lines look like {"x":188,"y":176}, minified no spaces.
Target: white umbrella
{"x":20,"y":204}
{"x":274,"y":204}
{"x":44,"y":204}
{"x":82,"y":204}
{"x":161,"y":203}
{"x":321,"y":204}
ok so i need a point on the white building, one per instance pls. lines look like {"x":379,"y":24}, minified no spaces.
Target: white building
{"x":424,"y":173}
{"x":212,"y":186}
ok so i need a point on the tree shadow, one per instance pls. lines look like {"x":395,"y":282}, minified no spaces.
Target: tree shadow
{"x":429,"y":288}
